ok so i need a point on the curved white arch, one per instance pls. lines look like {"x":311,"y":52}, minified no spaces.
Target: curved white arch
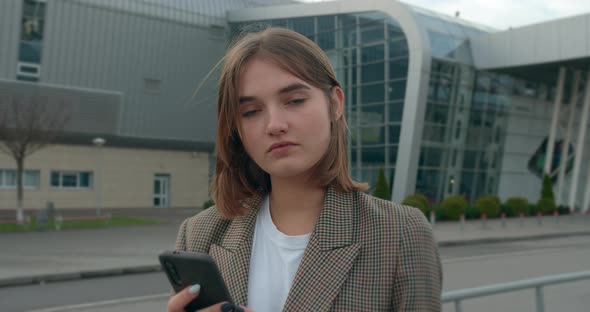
{"x":420,"y":57}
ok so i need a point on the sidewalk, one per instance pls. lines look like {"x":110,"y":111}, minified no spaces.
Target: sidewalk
{"x":37,"y":257}
{"x":449,"y":233}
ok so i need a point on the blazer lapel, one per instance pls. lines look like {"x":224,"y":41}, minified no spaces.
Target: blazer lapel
{"x":233,"y":254}
{"x":328,"y":257}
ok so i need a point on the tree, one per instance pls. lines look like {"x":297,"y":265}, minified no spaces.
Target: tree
{"x":381,"y":188}
{"x":546,"y":204}
{"x":28,"y":124}
{"x":547,"y":188}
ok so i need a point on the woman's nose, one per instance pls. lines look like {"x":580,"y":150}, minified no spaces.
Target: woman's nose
{"x":276,"y":124}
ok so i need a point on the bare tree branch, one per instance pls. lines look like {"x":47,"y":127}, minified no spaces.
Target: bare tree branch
{"x":28,"y":124}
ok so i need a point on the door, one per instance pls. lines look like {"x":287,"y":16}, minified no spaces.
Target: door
{"x":162,"y":190}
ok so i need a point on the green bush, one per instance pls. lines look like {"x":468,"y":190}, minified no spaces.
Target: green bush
{"x":488,"y":205}
{"x":504,"y":209}
{"x":419,"y":201}
{"x":532,"y":210}
{"x":381,"y":188}
{"x":546,"y":206}
{"x":471,"y":212}
{"x":516,"y":205}
{"x":439,"y":212}
{"x":563,"y":210}
{"x":208,"y":204}
{"x":453,"y":207}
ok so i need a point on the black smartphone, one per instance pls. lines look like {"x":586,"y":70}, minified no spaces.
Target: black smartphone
{"x":185,"y":268}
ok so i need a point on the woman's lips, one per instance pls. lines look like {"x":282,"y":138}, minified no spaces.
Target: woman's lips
{"x":281,"y":147}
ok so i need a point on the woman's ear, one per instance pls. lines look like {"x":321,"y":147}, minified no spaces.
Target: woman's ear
{"x":337,"y":102}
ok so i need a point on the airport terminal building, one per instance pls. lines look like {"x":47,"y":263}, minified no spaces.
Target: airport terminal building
{"x":443,"y":105}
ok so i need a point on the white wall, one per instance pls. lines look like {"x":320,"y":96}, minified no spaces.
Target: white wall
{"x":558,"y":40}
{"x":528,"y":124}
{"x":128,"y":177}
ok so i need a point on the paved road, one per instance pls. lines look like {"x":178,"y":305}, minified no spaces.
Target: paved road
{"x":25,"y":298}
{"x":53,"y":252}
{"x":71,"y":251}
{"x":464,"y":266}
{"x":478,"y":265}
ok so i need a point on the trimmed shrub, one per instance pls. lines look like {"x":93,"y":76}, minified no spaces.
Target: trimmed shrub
{"x":546,"y":206}
{"x":440,"y":213}
{"x":424,"y":199}
{"x":419,"y":201}
{"x":453,"y":207}
{"x":381,"y":188}
{"x":563,"y":210}
{"x":516,"y":205}
{"x":533,"y":210}
{"x":471,"y":212}
{"x":504,"y":209}
{"x":488,"y":205}
{"x":208,"y":204}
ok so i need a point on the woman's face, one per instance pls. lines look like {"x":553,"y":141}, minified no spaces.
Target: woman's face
{"x":284,"y":121}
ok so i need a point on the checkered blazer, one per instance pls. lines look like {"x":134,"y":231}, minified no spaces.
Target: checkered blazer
{"x":365,"y":254}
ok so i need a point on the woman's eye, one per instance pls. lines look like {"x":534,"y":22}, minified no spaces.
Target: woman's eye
{"x":296,"y":101}
{"x":249,"y":113}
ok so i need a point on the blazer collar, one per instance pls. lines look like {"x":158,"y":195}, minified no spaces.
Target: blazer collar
{"x":329,"y":256}
{"x":334,"y":226}
{"x":241,"y":228}
{"x":232,"y":255}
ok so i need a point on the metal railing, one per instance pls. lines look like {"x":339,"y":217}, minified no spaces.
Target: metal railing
{"x":457,"y":296}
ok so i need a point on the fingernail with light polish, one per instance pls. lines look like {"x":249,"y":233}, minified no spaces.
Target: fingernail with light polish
{"x":194,"y":289}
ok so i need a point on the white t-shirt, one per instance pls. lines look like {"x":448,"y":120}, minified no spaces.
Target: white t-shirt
{"x":273,"y":264}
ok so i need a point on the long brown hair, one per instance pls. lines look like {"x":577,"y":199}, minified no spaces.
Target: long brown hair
{"x":237,"y":176}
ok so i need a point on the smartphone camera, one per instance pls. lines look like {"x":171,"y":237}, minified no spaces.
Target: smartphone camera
{"x":174,"y":276}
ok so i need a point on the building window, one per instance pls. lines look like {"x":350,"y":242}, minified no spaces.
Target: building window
{"x":28,"y":71}
{"x":71,"y":179}
{"x":31,"y":38}
{"x":458,"y":130}
{"x":31,"y":180}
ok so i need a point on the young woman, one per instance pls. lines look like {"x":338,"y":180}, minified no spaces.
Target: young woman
{"x":291,"y":230}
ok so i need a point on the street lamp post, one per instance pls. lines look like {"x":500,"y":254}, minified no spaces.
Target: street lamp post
{"x":99,"y":143}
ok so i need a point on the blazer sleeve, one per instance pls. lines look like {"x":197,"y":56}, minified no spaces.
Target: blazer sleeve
{"x":418,"y":279}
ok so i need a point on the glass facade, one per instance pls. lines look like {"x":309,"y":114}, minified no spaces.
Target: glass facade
{"x":369,"y":53}
{"x":465,"y":119}
{"x":466,"y":113}
{"x":464,"y":128}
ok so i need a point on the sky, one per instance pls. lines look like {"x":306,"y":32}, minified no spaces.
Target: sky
{"x":502,"y":14}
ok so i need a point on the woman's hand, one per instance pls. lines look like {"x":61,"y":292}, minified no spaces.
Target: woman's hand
{"x":183,"y":298}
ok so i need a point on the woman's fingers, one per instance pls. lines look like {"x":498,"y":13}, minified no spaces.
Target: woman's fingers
{"x":224,"y":307}
{"x":213,"y":308}
{"x":181,"y":299}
